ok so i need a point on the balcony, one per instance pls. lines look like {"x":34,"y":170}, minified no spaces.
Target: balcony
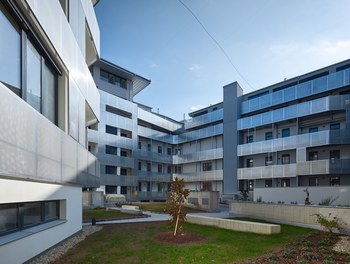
{"x":318,"y":85}
{"x":215,"y":175}
{"x":152,"y":195}
{"x":153,"y":156}
{"x":292,"y":170}
{"x":31,"y":147}
{"x":208,"y":118}
{"x":200,"y":133}
{"x":323,"y":104}
{"x":115,"y":160}
{"x":199,"y":156}
{"x":153,"y":177}
{"x":120,"y":180}
{"x":320,"y":138}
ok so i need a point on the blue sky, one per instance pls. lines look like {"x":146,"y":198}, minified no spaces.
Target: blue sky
{"x":266,"y":40}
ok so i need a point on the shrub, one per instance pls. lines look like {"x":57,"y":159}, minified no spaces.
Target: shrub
{"x":328,"y":200}
{"x":329,"y":223}
{"x":259,"y":200}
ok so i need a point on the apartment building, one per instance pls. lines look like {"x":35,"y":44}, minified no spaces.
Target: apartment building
{"x":273,"y":142}
{"x":47,"y":100}
{"x":296,"y":134}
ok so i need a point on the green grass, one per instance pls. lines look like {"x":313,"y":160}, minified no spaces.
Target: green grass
{"x":102,"y":213}
{"x":135,"y":243}
{"x":159,"y":207}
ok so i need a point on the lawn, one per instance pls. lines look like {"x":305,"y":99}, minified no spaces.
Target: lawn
{"x":160,"y":207}
{"x":135,"y":243}
{"x":103,"y":214}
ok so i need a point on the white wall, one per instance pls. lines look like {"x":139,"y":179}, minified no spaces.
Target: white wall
{"x":13,"y":191}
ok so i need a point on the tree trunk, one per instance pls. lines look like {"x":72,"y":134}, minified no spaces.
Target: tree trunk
{"x":177,"y":218}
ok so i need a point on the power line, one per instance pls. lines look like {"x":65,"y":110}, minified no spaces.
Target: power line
{"x":216,"y":42}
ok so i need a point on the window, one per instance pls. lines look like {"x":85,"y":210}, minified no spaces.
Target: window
{"x":178,"y":169}
{"x":140,"y":145}
{"x":149,"y":147}
{"x":111,"y":189}
{"x":123,"y":190}
{"x":286,"y":159}
{"x":117,"y":111}
{"x":111,"y":150}
{"x":334,"y":126}
{"x":207,"y":166}
{"x":112,"y":79}
{"x":148,"y":166}
{"x":285,"y":132}
{"x":125,"y":133}
{"x":123,"y":153}
{"x":123,"y":171}
{"x":334,"y":155}
{"x":313,"y":181}
{"x":140,"y":166}
{"x":335,"y":181}
{"x":169,"y":151}
{"x":111,"y":170}
{"x":250,"y":139}
{"x":313,"y":129}
{"x":268,"y":183}
{"x":268,"y":135}
{"x":111,"y":130}
{"x":285,"y":183}
{"x":250,"y":185}
{"x":313,"y":155}
{"x":160,"y":168}
{"x":249,"y":163}
{"x":160,"y":149}
{"x":19,"y":216}
{"x":206,"y":187}
{"x":169,"y":169}
{"x":268,"y":161}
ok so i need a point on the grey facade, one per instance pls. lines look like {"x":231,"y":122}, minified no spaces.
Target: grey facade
{"x":291,"y":134}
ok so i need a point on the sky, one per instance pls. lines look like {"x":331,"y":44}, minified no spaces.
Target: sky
{"x":267,"y":41}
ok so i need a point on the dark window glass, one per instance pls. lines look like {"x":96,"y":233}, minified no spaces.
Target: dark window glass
{"x":117,"y":111}
{"x":268,"y":161}
{"x":51,"y":210}
{"x":250,"y":139}
{"x":111,"y":130}
{"x":286,"y":159}
{"x":8,"y":217}
{"x":148,"y":166}
{"x":111,"y":150}
{"x":268,"y":136}
{"x":334,"y":155}
{"x":140,"y":165}
{"x":313,"y":155}
{"x":33,"y":77}
{"x":249,"y":163}
{"x":313,"y":129}
{"x":207,"y":166}
{"x":149,"y":147}
{"x":140,"y":145}
{"x":313,"y":181}
{"x":124,"y":190}
{"x":112,"y":79}
{"x":123,"y":153}
{"x":148,"y":187}
{"x":268,"y":183}
{"x":335,"y":181}
{"x":169,"y":169}
{"x":49,"y":94}
{"x":160,"y":149}
{"x":285,"y":183}
{"x":111,"y":170}
{"x":286,"y":132}
{"x":110,"y":189}
{"x":32,"y":214}
{"x":10,"y":52}
{"x":123,"y":172}
{"x":160,"y":168}
{"x":169,"y":151}
{"x":178,"y":169}
{"x":334,"y":126}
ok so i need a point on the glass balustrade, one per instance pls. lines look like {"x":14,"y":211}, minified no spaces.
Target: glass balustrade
{"x":204,"y":119}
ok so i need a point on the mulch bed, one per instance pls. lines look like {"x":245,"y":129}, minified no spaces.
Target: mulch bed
{"x":314,"y":248}
{"x":184,"y":238}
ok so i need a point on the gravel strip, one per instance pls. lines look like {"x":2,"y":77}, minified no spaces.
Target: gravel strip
{"x":343,"y":245}
{"x":60,"y":249}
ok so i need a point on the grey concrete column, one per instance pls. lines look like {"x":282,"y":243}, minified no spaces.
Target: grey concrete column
{"x":232,"y":93}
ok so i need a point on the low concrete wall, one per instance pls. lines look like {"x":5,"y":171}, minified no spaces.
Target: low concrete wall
{"x":288,"y":213}
{"x":297,"y":194}
{"x":236,"y":225}
{"x":93,"y":199}
{"x":208,"y":201}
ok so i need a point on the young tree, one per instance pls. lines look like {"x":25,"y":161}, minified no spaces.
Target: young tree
{"x":177,"y":196}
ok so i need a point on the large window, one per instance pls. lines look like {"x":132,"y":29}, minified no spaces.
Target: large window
{"x":249,"y":163}
{"x":207,"y":166}
{"x":113,"y":79}
{"x":268,"y":135}
{"x":335,"y":126}
{"x":18,"y":216}
{"x":111,"y":170}
{"x":313,"y":129}
{"x":111,"y":150}
{"x":313,"y":181}
{"x":111,"y":130}
{"x":286,"y":132}
{"x":335,"y":181}
{"x":286,"y":159}
{"x":17,"y":52}
{"x":313,"y":155}
{"x":250,"y":139}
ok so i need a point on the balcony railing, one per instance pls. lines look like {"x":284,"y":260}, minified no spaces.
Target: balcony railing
{"x":323,"y":104}
{"x":215,"y":175}
{"x":153,"y":156}
{"x":152,"y":195}
{"x":205,"y":119}
{"x":305,"y":140}
{"x":120,"y":180}
{"x":154,"y":177}
{"x":199,"y":156}
{"x":316,"y":167}
{"x":318,"y":85}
